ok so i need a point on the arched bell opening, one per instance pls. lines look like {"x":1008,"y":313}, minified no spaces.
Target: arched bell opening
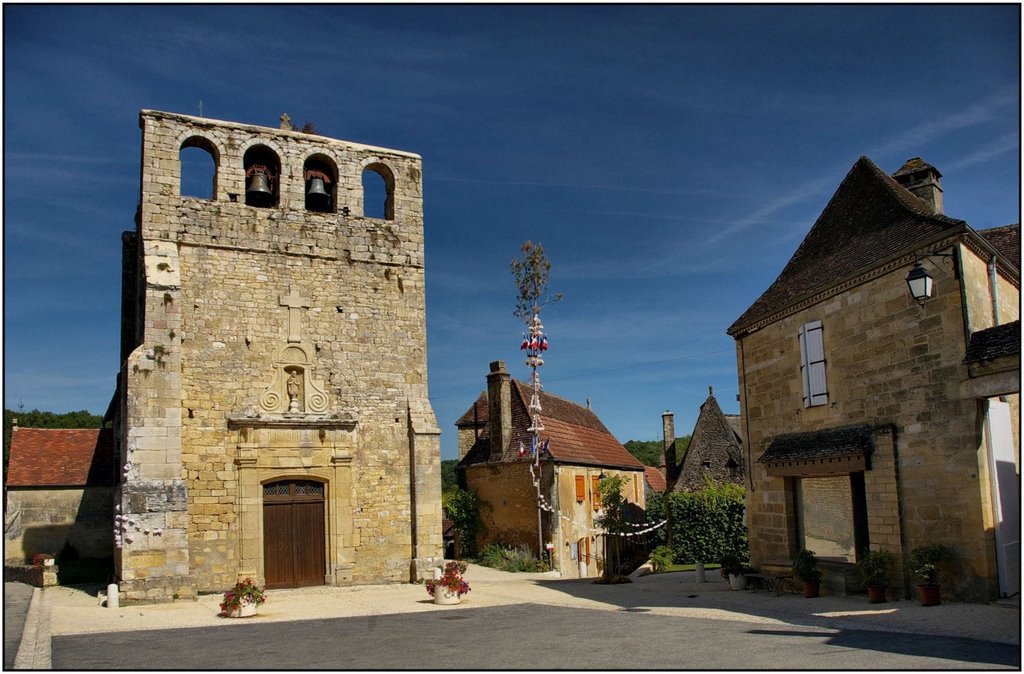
{"x":320,"y":176}
{"x":262,"y":177}
{"x":198,"y":160}
{"x":378,"y":192}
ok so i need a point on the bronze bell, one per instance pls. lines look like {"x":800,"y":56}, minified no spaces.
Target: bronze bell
{"x":259,"y":187}
{"x":316,"y":188}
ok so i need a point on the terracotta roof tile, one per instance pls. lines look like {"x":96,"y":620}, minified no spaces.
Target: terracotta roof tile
{"x":577,"y":435}
{"x":1006,"y":241}
{"x":655,"y":479}
{"x":56,"y":457}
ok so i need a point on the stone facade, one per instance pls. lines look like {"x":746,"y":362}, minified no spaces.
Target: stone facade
{"x":47,"y":519}
{"x":578,"y":451}
{"x":897,"y":368}
{"x":271,"y":342}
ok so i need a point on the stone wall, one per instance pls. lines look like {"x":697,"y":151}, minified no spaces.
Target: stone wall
{"x":899,"y":368}
{"x":237,"y":299}
{"x":44,"y":520}
{"x":511,"y":517}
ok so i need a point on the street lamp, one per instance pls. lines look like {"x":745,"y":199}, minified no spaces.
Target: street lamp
{"x":920,"y":283}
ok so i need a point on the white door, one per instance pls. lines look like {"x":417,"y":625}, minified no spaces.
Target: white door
{"x":1005,"y":495}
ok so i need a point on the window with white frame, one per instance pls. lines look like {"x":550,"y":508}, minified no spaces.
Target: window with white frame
{"x":812,"y":364}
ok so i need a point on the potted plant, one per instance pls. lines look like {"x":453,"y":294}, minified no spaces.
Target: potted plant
{"x":805,"y":568}
{"x":732,"y":570}
{"x":450,"y":586}
{"x":874,"y":572}
{"x":924,"y":567}
{"x":242,"y":600}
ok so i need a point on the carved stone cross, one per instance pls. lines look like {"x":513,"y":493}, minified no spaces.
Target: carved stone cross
{"x":294,"y":302}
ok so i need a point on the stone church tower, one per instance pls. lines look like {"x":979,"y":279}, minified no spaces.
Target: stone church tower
{"x":273,"y":419}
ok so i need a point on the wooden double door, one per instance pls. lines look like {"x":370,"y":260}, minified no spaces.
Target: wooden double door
{"x":293,"y":533}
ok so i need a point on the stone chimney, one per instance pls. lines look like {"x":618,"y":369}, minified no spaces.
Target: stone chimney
{"x":668,"y":446}
{"x":499,"y":408}
{"x":923,"y":181}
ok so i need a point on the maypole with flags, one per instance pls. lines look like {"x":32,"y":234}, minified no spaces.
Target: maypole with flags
{"x":531,"y":275}
{"x":535,"y":344}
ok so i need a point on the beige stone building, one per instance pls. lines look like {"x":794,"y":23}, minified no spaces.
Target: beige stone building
{"x":273,"y":418}
{"x":576,"y":452}
{"x":58,"y":494}
{"x":872,"y":421}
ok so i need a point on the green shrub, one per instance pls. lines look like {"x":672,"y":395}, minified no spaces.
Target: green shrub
{"x":661,"y":558}
{"x":518,"y":559}
{"x":707,"y":524}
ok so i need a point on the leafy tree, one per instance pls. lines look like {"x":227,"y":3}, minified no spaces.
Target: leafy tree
{"x":463,"y":508}
{"x":612,"y":520}
{"x":648,"y":452}
{"x":37,"y":419}
{"x":449,"y":477}
{"x":531,"y":276}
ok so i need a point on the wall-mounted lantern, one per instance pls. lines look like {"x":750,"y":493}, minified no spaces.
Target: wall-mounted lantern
{"x":920,"y":282}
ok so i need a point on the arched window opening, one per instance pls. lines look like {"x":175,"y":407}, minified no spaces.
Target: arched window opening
{"x":262,"y":177}
{"x":378,"y":192}
{"x":198,"y":160}
{"x":321,"y":184}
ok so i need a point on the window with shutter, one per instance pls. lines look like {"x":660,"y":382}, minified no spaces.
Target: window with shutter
{"x":812,"y":364}
{"x":581,"y":489}
{"x":595,"y":493}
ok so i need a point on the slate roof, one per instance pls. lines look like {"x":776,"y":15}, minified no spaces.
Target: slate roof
{"x":870,"y":218}
{"x":577,"y":435}
{"x":831,"y":443}
{"x":57,"y":457}
{"x":1006,"y":241}
{"x":992,"y":343}
{"x":715,"y":440}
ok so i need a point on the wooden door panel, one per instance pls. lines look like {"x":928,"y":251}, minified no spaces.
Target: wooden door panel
{"x":293,"y":534}
{"x":278,"y":538}
{"x":308,"y":522}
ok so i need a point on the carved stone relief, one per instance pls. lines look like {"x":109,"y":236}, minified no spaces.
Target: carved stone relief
{"x":293,"y":389}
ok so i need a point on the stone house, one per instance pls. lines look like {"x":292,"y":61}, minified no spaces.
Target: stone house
{"x":714,"y":453}
{"x":59,"y":492}
{"x":272,"y":415}
{"x":873,"y":421}
{"x":576,"y":452}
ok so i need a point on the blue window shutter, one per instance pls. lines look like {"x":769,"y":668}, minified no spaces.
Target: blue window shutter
{"x":812,"y":364}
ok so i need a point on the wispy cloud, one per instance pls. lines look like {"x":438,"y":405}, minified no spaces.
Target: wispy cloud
{"x":1008,"y":143}
{"x":979,"y":113}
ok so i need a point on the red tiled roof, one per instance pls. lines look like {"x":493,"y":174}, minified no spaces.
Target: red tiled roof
{"x":577,"y":435}
{"x":57,"y":457}
{"x":1006,"y":241}
{"x":655,"y":479}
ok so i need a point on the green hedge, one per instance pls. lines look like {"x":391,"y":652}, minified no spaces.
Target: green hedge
{"x":707,"y":524}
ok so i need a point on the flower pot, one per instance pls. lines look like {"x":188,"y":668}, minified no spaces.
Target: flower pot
{"x":929,"y":595}
{"x":246,"y":609}
{"x":811,"y":588}
{"x":738,"y":581}
{"x":444,"y":596}
{"x":876,"y":594}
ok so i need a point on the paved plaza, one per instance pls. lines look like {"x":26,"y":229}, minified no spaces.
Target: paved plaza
{"x":523,"y":621}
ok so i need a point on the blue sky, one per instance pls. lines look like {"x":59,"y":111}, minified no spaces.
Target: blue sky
{"x":669,"y":157}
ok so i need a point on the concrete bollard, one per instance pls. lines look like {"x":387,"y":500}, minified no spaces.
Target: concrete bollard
{"x":699,"y":571}
{"x":112,"y":601}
